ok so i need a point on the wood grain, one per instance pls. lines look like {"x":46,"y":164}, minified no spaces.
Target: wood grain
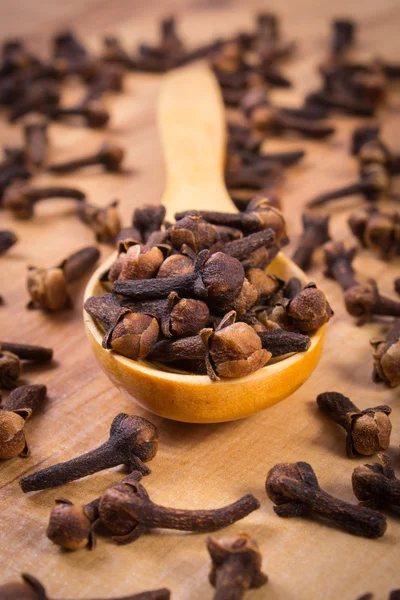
{"x":197,"y":466}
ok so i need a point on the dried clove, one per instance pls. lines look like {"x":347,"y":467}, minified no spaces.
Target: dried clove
{"x":364,"y":301}
{"x":38,"y":354}
{"x":136,"y":261}
{"x":377,"y":231}
{"x":386,"y":355}
{"x":133,"y":441}
{"x":10,"y":368}
{"x":128,"y":513}
{"x":148,"y":218}
{"x":376,"y":485}
{"x":338,"y":263}
{"x":368,"y":431}
{"x":396,"y":285}
{"x":105,"y":309}
{"x":37,"y":97}
{"x":309,"y":309}
{"x":36,"y":142}
{"x":48,"y":287}
{"x":14,"y":412}
{"x":236,"y":566}
{"x":105,"y":222}
{"x":294,"y":489}
{"x":315,"y":234}
{"x":279,"y":342}
{"x":93,"y":113}
{"x":7,"y":240}
{"x":343,"y":36}
{"x":71,"y":526}
{"x":32,"y":589}
{"x":109,"y":156}
{"x":21,"y":199}
{"x":14,"y":173}
{"x":133,"y":335}
{"x":268,"y":119}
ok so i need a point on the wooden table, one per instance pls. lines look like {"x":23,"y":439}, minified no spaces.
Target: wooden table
{"x":197,"y":466}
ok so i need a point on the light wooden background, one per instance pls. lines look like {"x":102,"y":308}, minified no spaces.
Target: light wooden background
{"x":197,"y":466}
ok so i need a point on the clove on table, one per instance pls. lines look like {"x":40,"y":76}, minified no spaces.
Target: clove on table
{"x":386,"y":355}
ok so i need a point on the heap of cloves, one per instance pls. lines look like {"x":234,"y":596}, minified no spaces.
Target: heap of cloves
{"x":195,"y":294}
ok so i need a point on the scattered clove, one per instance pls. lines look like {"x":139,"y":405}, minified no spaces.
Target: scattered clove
{"x":128,"y":513}
{"x":377,"y":231}
{"x":32,"y":589}
{"x":133,"y":441}
{"x":368,"y":431}
{"x":236,"y":566}
{"x":338,"y":263}
{"x":21,"y":199}
{"x":36,"y":142}
{"x":396,"y":285}
{"x":386,"y":355}
{"x":7,"y":240}
{"x":364,"y":301}
{"x":14,"y":412}
{"x":315,"y":234}
{"x":376,"y":486}
{"x":37,"y":354}
{"x":48,"y":287}
{"x":10,"y":369}
{"x":71,"y":526}
{"x":294,"y":489}
{"x":309,"y":309}
{"x":110,"y":157}
{"x":105,"y":222}
{"x":92,"y":112}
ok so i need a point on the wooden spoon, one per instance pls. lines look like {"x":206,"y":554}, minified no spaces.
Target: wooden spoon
{"x":192,"y":121}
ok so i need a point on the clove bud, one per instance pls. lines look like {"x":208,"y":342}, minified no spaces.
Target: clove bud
{"x":376,"y":485}
{"x":386,"y":355}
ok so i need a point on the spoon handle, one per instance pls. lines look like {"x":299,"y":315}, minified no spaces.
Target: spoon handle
{"x":191,"y":118}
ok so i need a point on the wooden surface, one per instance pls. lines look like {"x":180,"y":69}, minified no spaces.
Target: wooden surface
{"x":197,"y":466}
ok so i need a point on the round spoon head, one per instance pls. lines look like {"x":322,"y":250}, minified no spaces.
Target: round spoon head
{"x":195,"y":398}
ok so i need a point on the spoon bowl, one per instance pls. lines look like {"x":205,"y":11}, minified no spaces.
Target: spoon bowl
{"x":192,"y":124}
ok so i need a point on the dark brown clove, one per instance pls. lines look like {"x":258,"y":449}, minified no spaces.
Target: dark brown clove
{"x":343,"y":36}
{"x":362,"y":135}
{"x":105,"y":222}
{"x":338,"y":263}
{"x":341,"y":101}
{"x":36,"y":142}
{"x":14,"y":412}
{"x":21,"y":199}
{"x":32,"y":589}
{"x":136,"y":261}
{"x":48,"y":287}
{"x":109,"y":78}
{"x":368,"y":431}
{"x":38,"y":97}
{"x":148,"y":218}
{"x":71,"y":526}
{"x":309,"y":309}
{"x":133,"y":335}
{"x":10,"y":368}
{"x":294,"y":489}
{"x":279,"y":342}
{"x":364,"y":301}
{"x":15,"y":173}
{"x":133,"y":441}
{"x":377,"y":231}
{"x":315,"y":234}
{"x":236,"y":566}
{"x":386,"y":355}
{"x":376,"y":485}
{"x":105,"y":309}
{"x":110,"y":157}
{"x":270,"y":119}
{"x":396,"y":285}
{"x":129,"y":513}
{"x":7,"y":240}
{"x":114,"y":52}
{"x":38,"y":354}
{"x":93,"y":113}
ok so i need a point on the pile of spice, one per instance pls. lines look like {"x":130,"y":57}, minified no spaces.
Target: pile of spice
{"x":195,"y":294}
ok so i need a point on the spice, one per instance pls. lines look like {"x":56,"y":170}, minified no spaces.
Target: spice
{"x":21,"y":199}
{"x":133,"y":335}
{"x":364,"y":301}
{"x":32,"y":589}
{"x":315,"y":233}
{"x":93,"y":113}
{"x":48,"y":287}
{"x":71,"y":526}
{"x":36,"y":142}
{"x":294,"y":489}
{"x":376,"y":485}
{"x":14,"y":412}
{"x":386,"y":355}
{"x":10,"y":368}
{"x":309,"y":309}
{"x":132,"y":442}
{"x":136,"y":261}
{"x":268,"y":119}
{"x":128,"y":513}
{"x":109,"y":156}
{"x":236,"y":566}
{"x":37,"y":97}
{"x":105,"y":222}
{"x":105,"y":309}
{"x":15,"y":173}
{"x":279,"y":342}
{"x":368,"y":431}
{"x":343,"y":36}
{"x":148,"y":218}
{"x":397,"y":285}
{"x":377,"y":231}
{"x":7,"y":240}
{"x":38,"y":354}
{"x":338,"y":263}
